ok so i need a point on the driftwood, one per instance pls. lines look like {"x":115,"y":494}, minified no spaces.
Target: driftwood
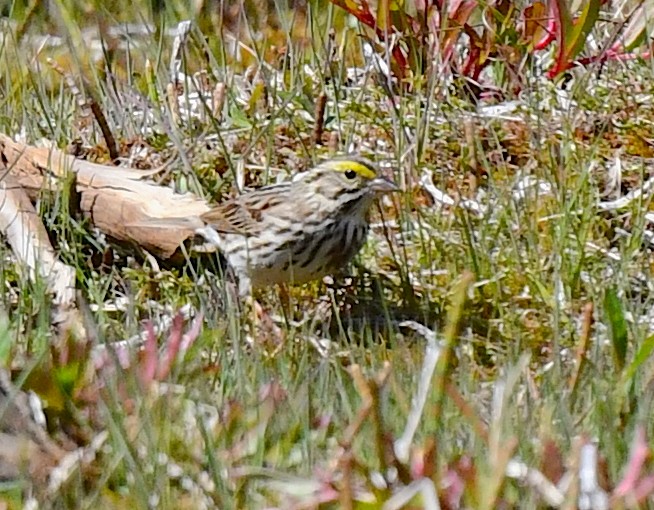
{"x":119,"y":201}
{"x":30,"y":243}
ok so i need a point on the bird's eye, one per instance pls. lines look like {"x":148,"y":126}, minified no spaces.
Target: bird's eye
{"x":350,"y":174}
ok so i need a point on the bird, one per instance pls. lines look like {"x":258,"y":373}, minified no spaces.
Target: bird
{"x":300,"y":230}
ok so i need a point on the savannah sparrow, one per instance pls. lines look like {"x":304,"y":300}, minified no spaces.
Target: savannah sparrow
{"x":299,"y":230}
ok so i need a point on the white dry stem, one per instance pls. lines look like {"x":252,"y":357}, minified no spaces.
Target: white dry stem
{"x":529,"y":188}
{"x":73,"y":461}
{"x":518,"y":470}
{"x":613,"y":178}
{"x":321,"y":345}
{"x":240,"y":174}
{"x":591,"y":495}
{"x":122,"y":35}
{"x":29,"y":242}
{"x":625,"y":201}
{"x":443,"y":198}
{"x":501,"y":111}
{"x":425,"y":487}
{"x":181,"y":34}
{"x":375,"y":61}
{"x":136,"y":342}
{"x":607,"y":253}
{"x":402,"y":445}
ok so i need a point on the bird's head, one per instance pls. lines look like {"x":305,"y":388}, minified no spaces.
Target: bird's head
{"x":351,"y":180}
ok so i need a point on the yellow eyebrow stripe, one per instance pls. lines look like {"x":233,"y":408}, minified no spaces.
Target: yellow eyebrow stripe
{"x":362,"y":170}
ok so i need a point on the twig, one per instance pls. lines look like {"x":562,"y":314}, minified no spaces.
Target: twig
{"x":319,"y":119}
{"x":173,"y":102}
{"x":92,"y":104}
{"x":364,"y":411}
{"x":467,"y":411}
{"x":582,"y":346}
{"x":346,"y":494}
{"x":332,"y":144}
{"x":218,"y":100}
{"x":370,"y":394}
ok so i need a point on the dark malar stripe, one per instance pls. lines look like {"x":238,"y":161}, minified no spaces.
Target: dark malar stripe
{"x":342,"y":194}
{"x":356,"y":192}
{"x":350,"y":205}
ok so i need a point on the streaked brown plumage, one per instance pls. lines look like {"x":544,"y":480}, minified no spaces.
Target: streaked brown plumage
{"x":299,"y":230}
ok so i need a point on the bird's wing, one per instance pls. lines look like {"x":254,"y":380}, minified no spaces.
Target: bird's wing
{"x":245,"y":214}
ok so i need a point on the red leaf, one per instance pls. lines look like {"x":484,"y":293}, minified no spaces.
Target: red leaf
{"x":361,"y":12}
{"x":571,"y":36}
{"x":172,"y":347}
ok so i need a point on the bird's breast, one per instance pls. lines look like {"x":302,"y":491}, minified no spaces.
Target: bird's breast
{"x":305,"y":254}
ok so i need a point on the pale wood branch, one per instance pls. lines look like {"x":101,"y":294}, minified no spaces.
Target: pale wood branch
{"x":119,"y":201}
{"x":30,"y":243}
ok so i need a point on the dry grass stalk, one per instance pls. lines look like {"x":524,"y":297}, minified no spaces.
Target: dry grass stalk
{"x":319,"y":119}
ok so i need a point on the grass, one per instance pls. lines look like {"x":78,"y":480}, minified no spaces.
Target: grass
{"x":307,"y":412}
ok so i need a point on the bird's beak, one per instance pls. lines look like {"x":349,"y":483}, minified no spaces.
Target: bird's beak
{"x":382,"y":185}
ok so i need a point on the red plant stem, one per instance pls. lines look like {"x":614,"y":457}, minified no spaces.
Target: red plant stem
{"x":149,"y":355}
{"x":547,"y":39}
{"x":637,"y":457}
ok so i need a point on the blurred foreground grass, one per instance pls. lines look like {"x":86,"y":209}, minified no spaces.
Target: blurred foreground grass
{"x":544,"y":279}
